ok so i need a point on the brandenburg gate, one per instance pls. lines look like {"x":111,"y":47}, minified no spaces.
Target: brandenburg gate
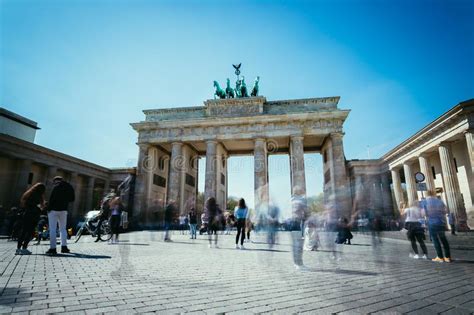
{"x":172,"y":140}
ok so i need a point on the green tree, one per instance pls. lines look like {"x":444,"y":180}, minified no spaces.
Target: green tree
{"x":316,"y":203}
{"x":232,"y":202}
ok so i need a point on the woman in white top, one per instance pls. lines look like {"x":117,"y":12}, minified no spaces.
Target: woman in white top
{"x":414,"y":214}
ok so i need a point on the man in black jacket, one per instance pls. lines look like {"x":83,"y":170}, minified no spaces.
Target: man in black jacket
{"x":61,"y":196}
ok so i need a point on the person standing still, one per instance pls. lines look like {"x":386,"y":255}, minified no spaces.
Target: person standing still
{"x":436,"y":213}
{"x":31,"y":203}
{"x":241,"y":213}
{"x":115,"y":216}
{"x":61,"y":195}
{"x":192,"y":218}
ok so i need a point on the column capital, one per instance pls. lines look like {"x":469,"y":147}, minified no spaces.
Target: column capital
{"x":444,"y":144}
{"x":297,"y":137}
{"x":176,"y":143}
{"x":396,"y":168}
{"x":260,"y":140}
{"x":210,"y":141}
{"x":336,"y":135}
{"x":470,"y":130}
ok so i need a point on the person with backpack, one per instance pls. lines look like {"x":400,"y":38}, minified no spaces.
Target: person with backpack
{"x":61,"y":195}
{"x":31,"y":203}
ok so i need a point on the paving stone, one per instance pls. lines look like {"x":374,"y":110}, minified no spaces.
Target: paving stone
{"x":186,"y":277}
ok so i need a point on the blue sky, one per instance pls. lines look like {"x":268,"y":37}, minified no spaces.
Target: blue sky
{"x":85,"y":69}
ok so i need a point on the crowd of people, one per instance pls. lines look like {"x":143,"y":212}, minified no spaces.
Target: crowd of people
{"x":35,"y":213}
{"x":427,"y":214}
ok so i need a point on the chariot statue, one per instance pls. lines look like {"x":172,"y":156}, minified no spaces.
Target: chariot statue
{"x":240,"y":87}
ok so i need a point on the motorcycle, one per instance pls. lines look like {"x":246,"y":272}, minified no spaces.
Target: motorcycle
{"x":92,"y":219}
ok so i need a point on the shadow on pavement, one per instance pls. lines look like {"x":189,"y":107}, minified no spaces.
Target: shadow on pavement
{"x":137,"y":244}
{"x":77,"y":255}
{"x":463,"y":261}
{"x":346,"y":272}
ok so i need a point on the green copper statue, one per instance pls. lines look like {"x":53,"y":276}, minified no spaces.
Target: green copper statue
{"x":219,"y":92}
{"x":243,"y":88}
{"x":229,"y":92}
{"x":240,"y":87}
{"x":255,"y":87}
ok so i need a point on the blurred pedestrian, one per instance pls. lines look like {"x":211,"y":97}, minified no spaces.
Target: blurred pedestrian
{"x":272,"y":224}
{"x":241,"y":213}
{"x":299,"y":212}
{"x":415,"y":231}
{"x":311,"y":237}
{"x":436,"y":213}
{"x":169,"y":212}
{"x":31,"y":204}
{"x":344,"y":234}
{"x":248,"y":228}
{"x":61,"y":195}
{"x":214,"y":215}
{"x":182,"y":223}
{"x":192,"y":218}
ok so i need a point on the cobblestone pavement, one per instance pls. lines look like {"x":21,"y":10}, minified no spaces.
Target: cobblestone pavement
{"x":144,"y":274}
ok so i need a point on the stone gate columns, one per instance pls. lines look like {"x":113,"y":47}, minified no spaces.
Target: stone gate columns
{"x":451,"y":186}
{"x":397,"y":188}
{"x":387,"y":203}
{"x":470,"y":147}
{"x":425,"y":169}
{"x":175,"y":174}
{"x":297,"y":173}
{"x":90,"y":193}
{"x":142,"y":181}
{"x":340,"y":195}
{"x":211,"y":170}
{"x":261,"y":176}
{"x":410,"y":183}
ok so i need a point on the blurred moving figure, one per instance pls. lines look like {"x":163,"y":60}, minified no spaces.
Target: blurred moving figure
{"x":116,"y":209}
{"x":272,"y":224}
{"x":299,"y":209}
{"x":169,"y":211}
{"x":452,"y":222}
{"x":311,"y":237}
{"x":416,"y":232}
{"x":436,"y":213}
{"x":344,"y":234}
{"x":214,"y":215}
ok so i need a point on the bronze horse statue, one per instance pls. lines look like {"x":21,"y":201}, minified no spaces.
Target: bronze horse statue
{"x":219,"y":92}
{"x":255,"y":87}
{"x":243,"y":88}
{"x":229,"y":92}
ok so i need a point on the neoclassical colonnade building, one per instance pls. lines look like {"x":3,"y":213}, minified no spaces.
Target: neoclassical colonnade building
{"x":171,"y":141}
{"x":444,"y":152}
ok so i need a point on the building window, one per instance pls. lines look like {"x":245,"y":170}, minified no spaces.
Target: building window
{"x":223,"y":161}
{"x":455,"y":164}
{"x":161,"y":163}
{"x":30,"y":178}
{"x":190,"y":180}
{"x":223,"y":179}
{"x":159,"y":180}
{"x":325,"y":156}
{"x":433,"y":172}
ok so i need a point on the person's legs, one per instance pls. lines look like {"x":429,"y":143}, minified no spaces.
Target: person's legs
{"x":419,"y":238}
{"x":436,"y":242}
{"x":444,"y":241}
{"x":62,"y":227}
{"x":453,"y":229}
{"x":239,"y":229}
{"x":53,"y":218}
{"x":413,"y":243}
